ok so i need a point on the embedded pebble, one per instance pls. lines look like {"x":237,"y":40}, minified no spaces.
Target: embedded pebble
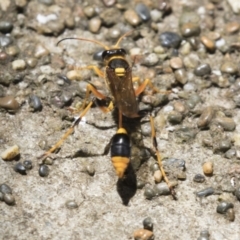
{"x":181,"y":175}
{"x":19,"y":65}
{"x":143,"y":11}
{"x":174,"y":117}
{"x":12,"y":50}
{"x":176,"y":63}
{"x":154,"y":167}
{"x":110,"y":16}
{"x":27,"y":164}
{"x":206,"y":117}
{"x":71,"y":204}
{"x":190,"y":29}
{"x":204,"y":235}
{"x":9,"y":103}
{"x":4,"y":188}
{"x":229,"y":67}
{"x":170,"y":39}
{"x":161,"y":189}
{"x":89,"y":11}
{"x":143,"y":234}
{"x":208,"y":43}
{"x":6,"y":27}
{"x":226,"y":123}
{"x":232,"y":27}
{"x":5,"y":41}
{"x":149,"y":193}
{"x":9,"y":199}
{"x":199,"y":178}
{"x":207,"y":168}
{"x":223,"y":207}
{"x":193,"y":100}
{"x":95,"y":24}
{"x":181,"y":76}
{"x":10,"y":153}
{"x":90,"y":169}
{"x":1,"y":196}
{"x":132,"y":17}
{"x":148,"y":224}
{"x":150,"y":60}
{"x":74,"y":75}
{"x":40,"y":51}
{"x":205,"y":192}
{"x":20,"y":168}
{"x":203,"y":69}
{"x":43,"y":170}
{"x":230,"y":153}
{"x":35,"y":103}
{"x":230,"y":214}
{"x":174,"y":163}
{"x":223,"y":145}
{"x":157,"y":176}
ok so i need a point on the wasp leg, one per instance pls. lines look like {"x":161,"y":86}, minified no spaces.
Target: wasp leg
{"x":154,"y":141}
{"x":142,"y":86}
{"x":94,"y":68}
{"x":90,"y":89}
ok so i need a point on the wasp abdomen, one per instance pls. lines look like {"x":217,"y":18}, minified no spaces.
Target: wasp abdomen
{"x":120,"y":151}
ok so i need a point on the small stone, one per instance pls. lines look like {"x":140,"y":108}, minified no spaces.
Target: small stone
{"x":202,"y":70}
{"x":40,"y":51}
{"x":170,"y":39}
{"x":9,"y":103}
{"x":148,"y":224}
{"x":157,"y":176}
{"x":206,"y":117}
{"x":176,"y":63}
{"x":232,"y":27}
{"x":199,"y":178}
{"x":19,"y":65}
{"x":31,"y":62}
{"x":179,"y":107}
{"x":12,"y":50}
{"x":181,"y":176}
{"x":143,"y":11}
{"x":27,"y":164}
{"x":89,"y":11}
{"x":5,"y":41}
{"x":20,"y":168}
{"x":161,"y":189}
{"x":229,"y":67}
{"x":181,"y":76}
{"x":204,"y":235}
{"x":190,"y":29}
{"x":174,"y":163}
{"x":110,"y":16}
{"x":208,"y":43}
{"x":43,"y":170}
{"x":46,"y":2}
{"x":231,"y":153}
{"x":237,"y":193}
{"x":143,"y":234}
{"x":6,"y":27}
{"x":149,"y":193}
{"x":132,"y":17}
{"x":223,"y":207}
{"x":226,"y":123}
{"x":208,"y":168}
{"x":94,"y":24}
{"x":9,"y":199}
{"x":175,"y":117}
{"x":71,"y":204}
{"x":205,"y":192}
{"x":150,"y":60}
{"x":90,"y":169}
{"x":35,"y":103}
{"x":230,"y":214}
{"x":10,"y":153}
{"x":4,"y":188}
{"x":74,"y":75}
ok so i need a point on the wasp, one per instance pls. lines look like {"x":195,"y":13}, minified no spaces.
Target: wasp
{"x":119,"y":80}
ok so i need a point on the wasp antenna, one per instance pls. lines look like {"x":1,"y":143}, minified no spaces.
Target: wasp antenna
{"x":121,"y":38}
{"x":85,"y":39}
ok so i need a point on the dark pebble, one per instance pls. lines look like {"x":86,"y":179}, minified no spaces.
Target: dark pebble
{"x":205,"y":192}
{"x":46,"y":2}
{"x":4,"y":188}
{"x":43,"y":170}
{"x":199,"y":178}
{"x":140,"y":184}
{"x":223,"y":145}
{"x":190,"y":29}
{"x":6,"y":27}
{"x":1,"y":196}
{"x":204,"y":235}
{"x":65,"y":79}
{"x":143,"y":11}
{"x":223,"y":207}
{"x":170,"y":39}
{"x":35,"y":103}
{"x":148,"y":224}
{"x":60,"y":98}
{"x":202,"y":70}
{"x":71,"y":204}
{"x":27,"y":164}
{"x":20,"y":168}
{"x":185,"y":133}
{"x":9,"y":199}
{"x":206,"y":117}
{"x":174,"y":162}
{"x":174,"y":117}
{"x":237,"y":193}
{"x":9,"y":103}
{"x":5,"y":41}
{"x":193,"y":100}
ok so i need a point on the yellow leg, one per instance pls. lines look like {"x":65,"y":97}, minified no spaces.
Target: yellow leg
{"x":94,"y":68}
{"x":154,"y":140}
